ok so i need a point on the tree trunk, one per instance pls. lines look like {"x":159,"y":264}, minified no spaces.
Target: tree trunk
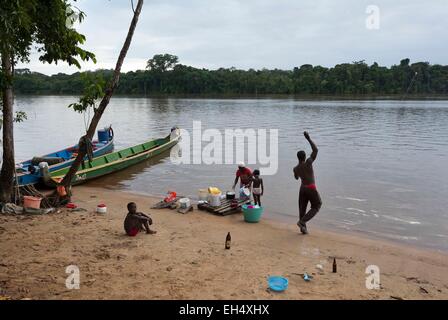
{"x":108,"y":94}
{"x":8,"y":165}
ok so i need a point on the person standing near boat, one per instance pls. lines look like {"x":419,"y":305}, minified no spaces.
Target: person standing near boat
{"x":308,"y":191}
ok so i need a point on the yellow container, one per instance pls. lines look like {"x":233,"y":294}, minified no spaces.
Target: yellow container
{"x":214,"y":190}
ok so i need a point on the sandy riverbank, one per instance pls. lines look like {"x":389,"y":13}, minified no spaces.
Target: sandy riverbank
{"x":186,"y":259}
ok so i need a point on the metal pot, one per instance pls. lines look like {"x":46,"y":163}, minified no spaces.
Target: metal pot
{"x":230,"y":195}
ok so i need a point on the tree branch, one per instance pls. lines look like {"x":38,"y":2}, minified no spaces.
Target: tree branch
{"x":108,"y":94}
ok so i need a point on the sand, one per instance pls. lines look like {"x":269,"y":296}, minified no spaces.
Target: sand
{"x":186,"y":259}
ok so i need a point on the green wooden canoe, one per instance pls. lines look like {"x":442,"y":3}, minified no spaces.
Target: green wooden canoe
{"x":115,"y":161}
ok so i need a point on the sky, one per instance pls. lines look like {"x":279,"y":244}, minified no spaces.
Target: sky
{"x":260,"y":34}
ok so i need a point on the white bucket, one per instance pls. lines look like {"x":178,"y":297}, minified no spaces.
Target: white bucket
{"x":100,"y":209}
{"x":203,"y":194}
{"x":214,"y":199}
{"x":184,"y":203}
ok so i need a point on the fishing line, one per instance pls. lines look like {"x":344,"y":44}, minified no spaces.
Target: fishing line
{"x":88,"y":119}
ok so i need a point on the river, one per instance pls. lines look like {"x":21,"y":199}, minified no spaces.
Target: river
{"x":381,"y":169}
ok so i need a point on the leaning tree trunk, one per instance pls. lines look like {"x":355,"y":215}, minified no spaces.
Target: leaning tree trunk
{"x":108,"y":94}
{"x":8,"y":165}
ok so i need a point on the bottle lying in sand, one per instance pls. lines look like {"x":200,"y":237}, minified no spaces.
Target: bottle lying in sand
{"x":228,"y":240}
{"x":335,"y":268}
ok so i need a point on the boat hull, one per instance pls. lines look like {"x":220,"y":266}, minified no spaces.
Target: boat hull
{"x":114,"y":162}
{"x":28,"y":178}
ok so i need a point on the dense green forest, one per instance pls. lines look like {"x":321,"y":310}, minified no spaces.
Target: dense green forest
{"x":164,"y":75}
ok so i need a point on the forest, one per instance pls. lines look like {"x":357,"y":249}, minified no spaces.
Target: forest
{"x":165,"y":75}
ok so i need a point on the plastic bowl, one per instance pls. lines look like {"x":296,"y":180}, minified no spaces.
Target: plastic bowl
{"x":277,"y":283}
{"x":252,"y":215}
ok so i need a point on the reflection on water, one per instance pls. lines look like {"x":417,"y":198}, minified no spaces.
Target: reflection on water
{"x":119,"y":180}
{"x":381,"y":167}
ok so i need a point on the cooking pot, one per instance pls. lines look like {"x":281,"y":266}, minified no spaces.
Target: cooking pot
{"x":230,"y":195}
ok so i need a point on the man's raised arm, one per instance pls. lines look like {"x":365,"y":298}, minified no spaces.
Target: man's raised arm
{"x":313,"y":146}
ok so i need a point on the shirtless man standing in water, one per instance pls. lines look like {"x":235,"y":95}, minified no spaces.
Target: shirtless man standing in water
{"x":308,"y":191}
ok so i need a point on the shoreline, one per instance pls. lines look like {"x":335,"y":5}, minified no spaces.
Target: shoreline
{"x":186,"y":259}
{"x":298,"y":97}
{"x":288,"y":220}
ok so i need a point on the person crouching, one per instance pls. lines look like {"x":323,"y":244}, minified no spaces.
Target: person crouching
{"x":136,"y":221}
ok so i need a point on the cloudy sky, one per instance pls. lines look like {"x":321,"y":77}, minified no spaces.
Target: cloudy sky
{"x":263,"y":33}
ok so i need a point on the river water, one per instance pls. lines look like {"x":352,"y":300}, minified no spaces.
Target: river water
{"x":382,"y":165}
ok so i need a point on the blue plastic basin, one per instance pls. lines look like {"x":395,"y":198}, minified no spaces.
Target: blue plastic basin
{"x":277,"y":283}
{"x":252,"y":215}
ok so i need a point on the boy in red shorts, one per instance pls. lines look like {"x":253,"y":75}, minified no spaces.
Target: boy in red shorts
{"x":136,"y":221}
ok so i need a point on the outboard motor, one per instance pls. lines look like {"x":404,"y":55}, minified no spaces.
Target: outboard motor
{"x":175,"y":133}
{"x":43,"y":167}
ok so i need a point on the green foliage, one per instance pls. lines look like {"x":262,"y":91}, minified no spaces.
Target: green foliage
{"x":45,"y":24}
{"x":162,"y":62}
{"x":20,"y":116}
{"x":355,"y":78}
{"x":93,"y":90}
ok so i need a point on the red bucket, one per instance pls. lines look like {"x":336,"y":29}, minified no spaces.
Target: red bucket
{"x":31,"y":202}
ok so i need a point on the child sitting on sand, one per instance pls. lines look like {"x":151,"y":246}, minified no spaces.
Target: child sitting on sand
{"x":257,"y":187}
{"x":136,"y":221}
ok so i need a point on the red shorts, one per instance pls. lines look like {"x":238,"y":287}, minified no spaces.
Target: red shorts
{"x":133,"y":232}
{"x":311,"y":186}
